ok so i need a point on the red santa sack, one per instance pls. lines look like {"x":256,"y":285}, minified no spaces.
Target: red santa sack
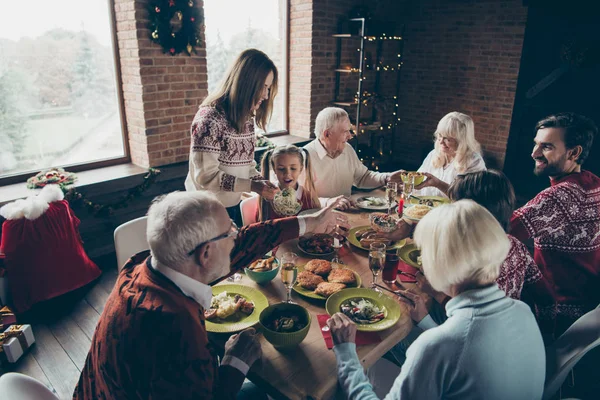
{"x":44,"y":255}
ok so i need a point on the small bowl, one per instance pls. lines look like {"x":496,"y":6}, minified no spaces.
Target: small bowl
{"x":418,"y":178}
{"x":263,"y":277}
{"x":373,"y":217}
{"x":284,"y":340}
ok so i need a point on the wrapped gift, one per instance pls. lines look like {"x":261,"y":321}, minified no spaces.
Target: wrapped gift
{"x":7,"y":317}
{"x":15,"y":341}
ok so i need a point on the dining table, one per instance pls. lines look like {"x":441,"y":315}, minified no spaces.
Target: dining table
{"x":309,"y":370}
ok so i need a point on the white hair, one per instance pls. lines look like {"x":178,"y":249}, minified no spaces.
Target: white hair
{"x":462,"y":246}
{"x":327,"y":118}
{"x":458,"y":126}
{"x":180,"y":221}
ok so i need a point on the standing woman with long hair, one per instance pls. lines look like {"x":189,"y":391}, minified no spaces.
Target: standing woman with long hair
{"x":223,"y":138}
{"x":456,"y":151}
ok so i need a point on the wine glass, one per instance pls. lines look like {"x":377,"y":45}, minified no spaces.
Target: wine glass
{"x":376,"y":261}
{"x":338,"y":238}
{"x":391,"y":192}
{"x":289,"y":272}
{"x":408,"y":186}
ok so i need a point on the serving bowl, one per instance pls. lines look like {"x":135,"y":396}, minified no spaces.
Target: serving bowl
{"x":419,"y":177}
{"x":265,"y":276}
{"x":284,"y":340}
{"x":382,"y":222}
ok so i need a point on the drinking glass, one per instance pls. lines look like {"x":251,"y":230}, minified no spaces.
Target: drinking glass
{"x":235,"y":277}
{"x":390,"y":269}
{"x":408,"y":186}
{"x":289,"y":273}
{"x":376,"y":261}
{"x":338,"y":243}
{"x":391,"y":192}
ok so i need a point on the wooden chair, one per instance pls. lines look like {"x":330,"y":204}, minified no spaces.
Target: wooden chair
{"x":569,"y":348}
{"x":130,"y":238}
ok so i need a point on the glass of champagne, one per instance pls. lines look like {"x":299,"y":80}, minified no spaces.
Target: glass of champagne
{"x":391,"y":192}
{"x":289,"y":273}
{"x":376,"y":261}
{"x":408,"y":186}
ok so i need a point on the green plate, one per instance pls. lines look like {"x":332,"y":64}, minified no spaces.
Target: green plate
{"x":409,"y":254}
{"x":311,"y":294}
{"x":354,"y":241}
{"x":392,"y":309}
{"x":436,"y":200}
{"x":238,"y":321}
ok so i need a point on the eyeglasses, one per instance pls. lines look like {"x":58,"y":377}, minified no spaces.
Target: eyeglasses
{"x":233,"y":232}
{"x":446,"y":139}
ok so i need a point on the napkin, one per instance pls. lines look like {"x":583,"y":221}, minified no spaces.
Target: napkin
{"x":362,"y":338}
{"x":404,"y":267}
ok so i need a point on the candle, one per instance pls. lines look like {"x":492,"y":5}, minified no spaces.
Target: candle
{"x":336,"y":242}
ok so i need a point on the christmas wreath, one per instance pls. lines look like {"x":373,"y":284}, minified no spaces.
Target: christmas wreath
{"x":175,"y":25}
{"x":56,"y":176}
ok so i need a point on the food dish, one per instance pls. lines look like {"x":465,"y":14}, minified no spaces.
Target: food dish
{"x":236,"y":321}
{"x":416,"y":212}
{"x":390,"y":307}
{"x":419,"y":177}
{"x":289,"y":337}
{"x":382,"y":222}
{"x":363,"y":236}
{"x":310,"y":281}
{"x":263,"y":265}
{"x":363,"y":311}
{"x":411,"y":255}
{"x":224,"y":305}
{"x":319,"y":267}
{"x":319,"y":244}
{"x":342,"y":275}
{"x":373,"y":203}
{"x":431,"y":201}
{"x":326,"y":289}
{"x":263,"y":270}
{"x":285,"y":202}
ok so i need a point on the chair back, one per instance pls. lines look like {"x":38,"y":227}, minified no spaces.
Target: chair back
{"x":130,"y":238}
{"x":569,"y":348}
{"x":15,"y":386}
{"x":249,"y":207}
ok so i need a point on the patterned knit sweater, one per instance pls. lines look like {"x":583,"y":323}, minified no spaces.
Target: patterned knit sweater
{"x":564,"y":222}
{"x":221,"y":158}
{"x":151,"y":342}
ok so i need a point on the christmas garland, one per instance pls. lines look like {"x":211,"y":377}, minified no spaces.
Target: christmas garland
{"x":76,"y":198}
{"x":54,"y":176}
{"x":175,"y":25}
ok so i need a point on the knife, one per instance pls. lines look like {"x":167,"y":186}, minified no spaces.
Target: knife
{"x":396,"y":292}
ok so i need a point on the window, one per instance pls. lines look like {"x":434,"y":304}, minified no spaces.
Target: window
{"x":260,"y":24}
{"x":59,"y":103}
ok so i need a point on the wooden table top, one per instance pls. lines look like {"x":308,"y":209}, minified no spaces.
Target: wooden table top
{"x":309,"y":370}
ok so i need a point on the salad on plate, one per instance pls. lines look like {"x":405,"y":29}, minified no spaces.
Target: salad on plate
{"x":363,"y":311}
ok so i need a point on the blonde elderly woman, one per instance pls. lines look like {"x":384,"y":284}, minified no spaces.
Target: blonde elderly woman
{"x":455,"y":152}
{"x":489,"y":347}
{"x":336,"y":167}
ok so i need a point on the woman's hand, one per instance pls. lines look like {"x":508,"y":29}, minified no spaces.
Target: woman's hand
{"x":416,"y":306}
{"x":425,"y":287}
{"x":343,"y":330}
{"x":344,"y":203}
{"x":432,"y":181}
{"x":403,"y":230}
{"x":264,"y":188}
{"x":327,"y":220}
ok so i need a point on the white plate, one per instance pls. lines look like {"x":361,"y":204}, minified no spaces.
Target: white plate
{"x":412,"y":218}
{"x":366,"y":206}
{"x":311,"y":211}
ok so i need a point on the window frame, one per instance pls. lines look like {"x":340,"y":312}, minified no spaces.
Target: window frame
{"x":21,"y":177}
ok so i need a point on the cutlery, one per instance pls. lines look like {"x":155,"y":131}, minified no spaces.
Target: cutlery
{"x":407,"y":274}
{"x":396,"y":292}
{"x":416,"y":198}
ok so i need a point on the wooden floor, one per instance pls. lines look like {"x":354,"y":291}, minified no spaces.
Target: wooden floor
{"x":63,"y":331}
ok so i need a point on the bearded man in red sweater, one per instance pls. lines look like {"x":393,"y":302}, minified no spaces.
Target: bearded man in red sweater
{"x":564,"y":219}
{"x":151,"y":341}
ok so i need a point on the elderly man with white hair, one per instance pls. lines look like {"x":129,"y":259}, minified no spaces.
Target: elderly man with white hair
{"x":335,"y":164}
{"x":151,"y":341}
{"x":490,"y":346}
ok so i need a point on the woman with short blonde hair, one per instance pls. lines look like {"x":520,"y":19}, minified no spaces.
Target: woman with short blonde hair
{"x":456,"y":151}
{"x":223,"y":138}
{"x":488,"y":339}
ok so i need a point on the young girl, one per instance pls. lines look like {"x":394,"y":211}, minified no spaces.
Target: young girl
{"x":287,"y":162}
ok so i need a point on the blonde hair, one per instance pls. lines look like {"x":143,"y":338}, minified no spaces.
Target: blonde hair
{"x":327,"y":118}
{"x":462,"y":246}
{"x":242,"y":87}
{"x":460,"y":127}
{"x":268,"y":163}
{"x":178,"y":222}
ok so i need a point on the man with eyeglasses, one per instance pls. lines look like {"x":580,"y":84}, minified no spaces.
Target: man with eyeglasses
{"x":151,"y":342}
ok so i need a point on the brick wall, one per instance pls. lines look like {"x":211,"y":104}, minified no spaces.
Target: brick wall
{"x":460,"y":56}
{"x":162,"y":92}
